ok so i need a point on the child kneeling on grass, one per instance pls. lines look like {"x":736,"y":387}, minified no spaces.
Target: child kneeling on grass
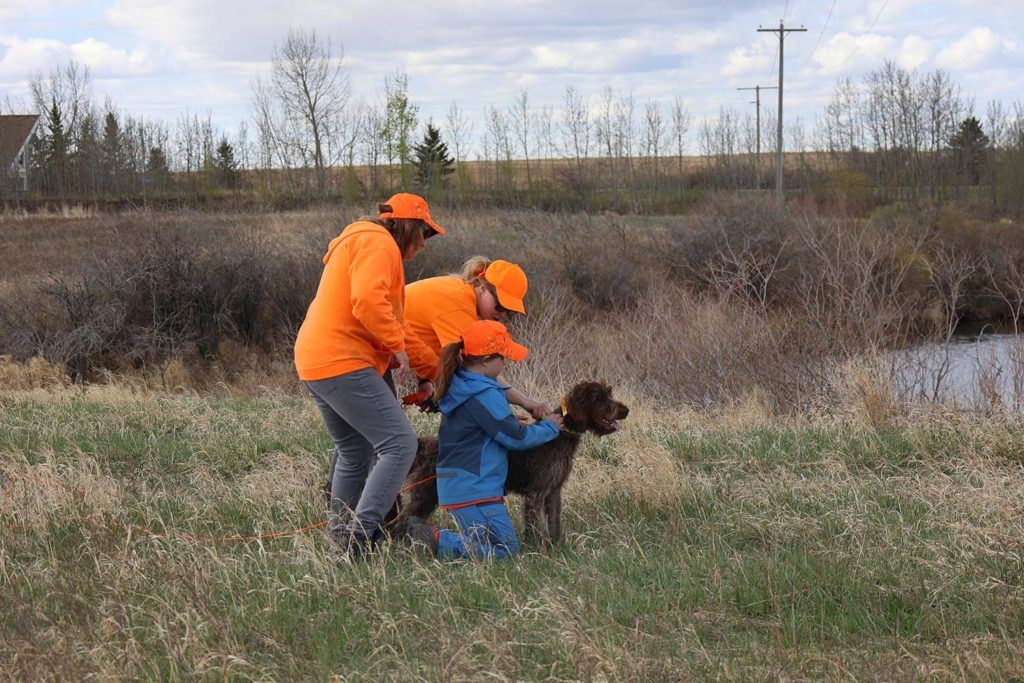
{"x":477,"y":431}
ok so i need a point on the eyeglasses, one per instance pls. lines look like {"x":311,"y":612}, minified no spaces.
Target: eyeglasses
{"x":428,"y":232}
{"x":497,"y":304}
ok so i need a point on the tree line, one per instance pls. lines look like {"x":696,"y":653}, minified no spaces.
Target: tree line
{"x":895,"y":135}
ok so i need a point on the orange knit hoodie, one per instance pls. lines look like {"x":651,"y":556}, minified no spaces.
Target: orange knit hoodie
{"x":356,"y":318}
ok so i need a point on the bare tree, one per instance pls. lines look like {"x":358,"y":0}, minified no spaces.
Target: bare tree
{"x":719,"y":140}
{"x":63,"y":97}
{"x":997,"y":122}
{"x":522,"y":124}
{"x":654,"y":132}
{"x":680,"y":127}
{"x":625,"y":136}
{"x":497,"y":132}
{"x":68,"y":87}
{"x":302,"y":105}
{"x":948,"y":275}
{"x":576,"y":137}
{"x":604,"y":125}
{"x":459,"y":130}
{"x":372,"y":143}
{"x":400,"y":117}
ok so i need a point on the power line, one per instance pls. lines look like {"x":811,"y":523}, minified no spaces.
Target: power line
{"x":861,"y":41}
{"x":785,"y":11}
{"x":782,"y":31}
{"x":757,"y":101}
{"x":823,"y":28}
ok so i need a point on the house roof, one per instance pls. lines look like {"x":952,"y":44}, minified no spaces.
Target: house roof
{"x":14,"y":131}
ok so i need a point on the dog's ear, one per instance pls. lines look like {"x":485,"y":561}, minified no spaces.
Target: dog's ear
{"x":584,"y":397}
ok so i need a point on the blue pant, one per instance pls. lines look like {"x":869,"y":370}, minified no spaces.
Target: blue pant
{"x":485,"y":531}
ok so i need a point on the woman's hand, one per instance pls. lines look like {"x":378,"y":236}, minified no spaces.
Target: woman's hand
{"x":403,"y":373}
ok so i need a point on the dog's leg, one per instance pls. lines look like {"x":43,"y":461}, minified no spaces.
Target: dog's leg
{"x":553,"y":508}
{"x":395,"y":519}
{"x":416,"y":503}
{"x":532,"y":509}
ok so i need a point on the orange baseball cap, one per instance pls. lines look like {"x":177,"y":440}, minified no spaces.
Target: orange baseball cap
{"x":487,"y":337}
{"x":405,"y":205}
{"x":509,"y":282}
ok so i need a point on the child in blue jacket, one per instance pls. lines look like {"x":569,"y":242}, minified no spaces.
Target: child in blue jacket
{"x":477,"y":431}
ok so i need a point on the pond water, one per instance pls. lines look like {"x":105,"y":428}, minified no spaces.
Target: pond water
{"x":967,"y":370}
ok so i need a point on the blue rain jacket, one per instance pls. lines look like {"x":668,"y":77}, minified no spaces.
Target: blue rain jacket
{"x":477,"y":431}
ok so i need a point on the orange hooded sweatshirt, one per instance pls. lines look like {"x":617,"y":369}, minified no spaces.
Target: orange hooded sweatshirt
{"x":356,"y":318}
{"x":439,"y":309}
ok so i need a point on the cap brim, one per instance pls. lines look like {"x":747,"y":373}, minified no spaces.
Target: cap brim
{"x":516,"y":352}
{"x":510,"y":302}
{"x":434,"y":226}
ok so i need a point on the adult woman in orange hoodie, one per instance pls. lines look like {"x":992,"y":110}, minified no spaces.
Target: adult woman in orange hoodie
{"x":353,"y":334}
{"x":439,"y":309}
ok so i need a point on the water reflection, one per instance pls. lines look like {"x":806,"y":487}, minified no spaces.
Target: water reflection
{"x":967,"y":371}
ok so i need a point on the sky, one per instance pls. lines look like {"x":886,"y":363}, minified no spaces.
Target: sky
{"x":159,"y":58}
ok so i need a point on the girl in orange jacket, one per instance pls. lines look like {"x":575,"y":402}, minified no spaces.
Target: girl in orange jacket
{"x":353,"y":333}
{"x":440,"y":309}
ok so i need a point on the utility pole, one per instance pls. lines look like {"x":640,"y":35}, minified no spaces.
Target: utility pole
{"x":757,"y":101}
{"x":782,"y":31}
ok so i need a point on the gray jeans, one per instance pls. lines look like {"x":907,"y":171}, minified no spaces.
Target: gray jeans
{"x":374,"y":446}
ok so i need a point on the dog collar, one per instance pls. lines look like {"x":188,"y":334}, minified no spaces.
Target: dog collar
{"x":565,"y":412}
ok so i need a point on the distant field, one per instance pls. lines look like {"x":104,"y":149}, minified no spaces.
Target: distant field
{"x":714,"y":544}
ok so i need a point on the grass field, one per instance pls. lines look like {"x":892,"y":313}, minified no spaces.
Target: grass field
{"x":698,"y":545}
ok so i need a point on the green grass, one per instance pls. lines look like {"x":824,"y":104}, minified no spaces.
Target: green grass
{"x":697,"y":549}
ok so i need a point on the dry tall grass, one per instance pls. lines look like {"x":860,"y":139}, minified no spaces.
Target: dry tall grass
{"x":722,"y":543}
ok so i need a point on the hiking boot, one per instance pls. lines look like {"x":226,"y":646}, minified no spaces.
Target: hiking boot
{"x":421,"y":534}
{"x":350,"y":547}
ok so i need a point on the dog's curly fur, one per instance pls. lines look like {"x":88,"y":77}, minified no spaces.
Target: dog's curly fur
{"x":537,"y":474}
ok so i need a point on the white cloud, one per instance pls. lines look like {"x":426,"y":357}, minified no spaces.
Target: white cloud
{"x":22,"y":57}
{"x":848,"y":52}
{"x":975,"y":49}
{"x":9,"y":9}
{"x":744,"y":60}
{"x":695,"y":42}
{"x":887,"y":11}
{"x":914,"y":51}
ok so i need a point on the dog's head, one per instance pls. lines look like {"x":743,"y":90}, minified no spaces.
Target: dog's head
{"x":589,"y":406}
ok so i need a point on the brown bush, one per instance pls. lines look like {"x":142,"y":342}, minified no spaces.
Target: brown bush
{"x":735,"y":299}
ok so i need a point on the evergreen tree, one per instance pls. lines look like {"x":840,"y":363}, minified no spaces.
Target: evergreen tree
{"x":433,"y":163}
{"x":54,"y":148}
{"x":225,"y":165}
{"x":157,"y":172}
{"x":85,"y":158}
{"x":112,"y":153}
{"x":970,"y":147}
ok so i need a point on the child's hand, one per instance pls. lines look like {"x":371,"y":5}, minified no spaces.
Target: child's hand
{"x":538,"y":409}
{"x":557,"y":419}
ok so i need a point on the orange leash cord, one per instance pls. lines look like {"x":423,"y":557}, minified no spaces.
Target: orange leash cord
{"x":160,"y":534}
{"x":421,"y":481}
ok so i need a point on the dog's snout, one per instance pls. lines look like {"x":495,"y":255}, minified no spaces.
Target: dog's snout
{"x":623,"y":411}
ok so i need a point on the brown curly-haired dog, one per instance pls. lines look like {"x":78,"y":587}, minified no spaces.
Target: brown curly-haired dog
{"x":537,"y":474}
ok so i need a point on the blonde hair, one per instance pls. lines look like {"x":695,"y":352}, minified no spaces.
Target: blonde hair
{"x":472,"y":271}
